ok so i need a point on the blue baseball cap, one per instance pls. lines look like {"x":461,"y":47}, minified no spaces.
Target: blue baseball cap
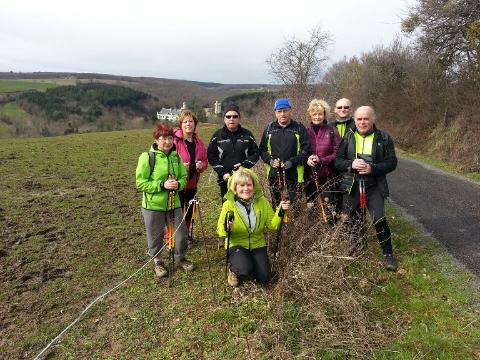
{"x":281,"y":104}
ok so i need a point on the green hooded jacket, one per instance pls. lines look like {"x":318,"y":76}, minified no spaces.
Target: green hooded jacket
{"x":155,"y":197}
{"x":241,"y":234}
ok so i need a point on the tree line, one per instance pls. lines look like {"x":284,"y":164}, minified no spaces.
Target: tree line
{"x":424,"y":90}
{"x":85,"y":100}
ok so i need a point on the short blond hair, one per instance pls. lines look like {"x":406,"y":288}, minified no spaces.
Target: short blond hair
{"x":240,"y":177}
{"x":318,"y":106}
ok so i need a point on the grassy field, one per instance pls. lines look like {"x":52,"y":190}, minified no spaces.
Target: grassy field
{"x":16,"y":118}
{"x":7,"y":86}
{"x":439,"y":164}
{"x":12,"y":111}
{"x":72,"y":229}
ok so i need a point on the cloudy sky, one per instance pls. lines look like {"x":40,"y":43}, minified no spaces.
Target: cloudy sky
{"x":209,"y":40}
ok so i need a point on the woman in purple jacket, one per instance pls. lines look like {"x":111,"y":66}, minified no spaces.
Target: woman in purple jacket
{"x":193,"y":153}
{"x":324,"y":140}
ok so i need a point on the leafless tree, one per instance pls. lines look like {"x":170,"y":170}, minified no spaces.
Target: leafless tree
{"x":298,"y":63}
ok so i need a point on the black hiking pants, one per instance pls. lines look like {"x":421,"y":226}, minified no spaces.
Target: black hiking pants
{"x":376,"y":209}
{"x":245,"y":263}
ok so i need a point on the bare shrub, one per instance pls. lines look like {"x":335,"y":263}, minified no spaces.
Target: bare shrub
{"x":316,"y":303}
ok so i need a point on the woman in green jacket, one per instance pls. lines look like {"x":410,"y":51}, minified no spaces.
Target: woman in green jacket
{"x":252,"y":215}
{"x":160,"y":175}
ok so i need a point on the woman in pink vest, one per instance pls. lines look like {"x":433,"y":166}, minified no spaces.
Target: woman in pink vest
{"x":193,"y":153}
{"x":324,"y":140}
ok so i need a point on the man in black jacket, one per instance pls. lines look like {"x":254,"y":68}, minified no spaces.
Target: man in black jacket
{"x":231,"y":147}
{"x":343,"y":116}
{"x":285,"y":148}
{"x":364,"y":157}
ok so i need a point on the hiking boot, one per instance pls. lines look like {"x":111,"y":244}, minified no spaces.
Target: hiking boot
{"x":186,"y":265}
{"x":160,"y":270}
{"x":390,"y":262}
{"x":232,"y":279}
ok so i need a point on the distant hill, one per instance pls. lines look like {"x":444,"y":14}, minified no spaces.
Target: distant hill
{"x":62,"y":103}
{"x":170,"y":92}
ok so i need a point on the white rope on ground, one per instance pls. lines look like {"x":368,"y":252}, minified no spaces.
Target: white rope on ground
{"x":59,"y":336}
{"x":337,"y":257}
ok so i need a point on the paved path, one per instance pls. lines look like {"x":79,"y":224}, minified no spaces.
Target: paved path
{"x":448,"y":206}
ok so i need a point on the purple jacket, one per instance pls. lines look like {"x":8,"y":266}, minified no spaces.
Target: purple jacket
{"x":200,"y":155}
{"x":324,"y":147}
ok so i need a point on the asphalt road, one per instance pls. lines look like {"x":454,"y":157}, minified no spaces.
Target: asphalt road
{"x":448,"y":206}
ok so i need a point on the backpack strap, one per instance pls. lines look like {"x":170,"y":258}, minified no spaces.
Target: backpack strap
{"x":332,"y":135}
{"x":151,"y":161}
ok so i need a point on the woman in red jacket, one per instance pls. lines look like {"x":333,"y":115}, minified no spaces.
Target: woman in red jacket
{"x":193,"y":153}
{"x":324,"y":140}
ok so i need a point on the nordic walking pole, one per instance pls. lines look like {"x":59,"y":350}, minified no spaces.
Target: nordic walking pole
{"x":190,"y":227}
{"x":171,"y":233}
{"x":206,"y":249}
{"x":320,"y":196}
{"x":283,"y":188}
{"x":228,"y":219}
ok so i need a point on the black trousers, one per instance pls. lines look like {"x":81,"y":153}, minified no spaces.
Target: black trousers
{"x":245,"y":263}
{"x":376,"y":208}
{"x":293,"y":189}
{"x":185,"y":197}
{"x":223,"y":188}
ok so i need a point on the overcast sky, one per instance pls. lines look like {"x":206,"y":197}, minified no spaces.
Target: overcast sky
{"x":209,"y":40}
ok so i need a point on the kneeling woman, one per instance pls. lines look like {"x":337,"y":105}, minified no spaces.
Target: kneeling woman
{"x":160,"y":172}
{"x":253,"y":214}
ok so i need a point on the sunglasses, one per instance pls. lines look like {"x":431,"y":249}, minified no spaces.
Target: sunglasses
{"x":231,"y":116}
{"x":344,"y":107}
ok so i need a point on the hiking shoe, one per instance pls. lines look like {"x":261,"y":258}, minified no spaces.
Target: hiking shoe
{"x":186,"y":265}
{"x":232,"y":279}
{"x":390,"y":262}
{"x":160,"y":270}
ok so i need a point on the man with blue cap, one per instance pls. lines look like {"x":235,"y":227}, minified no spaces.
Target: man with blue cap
{"x":285,"y":148}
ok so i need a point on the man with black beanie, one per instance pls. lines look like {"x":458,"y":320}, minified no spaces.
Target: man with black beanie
{"x":231,"y":146}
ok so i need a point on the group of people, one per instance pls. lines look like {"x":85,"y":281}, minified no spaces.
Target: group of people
{"x":297,"y":159}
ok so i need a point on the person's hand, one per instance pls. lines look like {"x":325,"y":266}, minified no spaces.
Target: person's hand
{"x":187,"y":165}
{"x":287,"y":164}
{"x":275,"y":163}
{"x":362,"y":166}
{"x":313,"y":160}
{"x":358,"y":164}
{"x":199,"y":166}
{"x":229,"y":225}
{"x":285,"y":205}
{"x":226,"y":176}
{"x":367,"y":169}
{"x":171,"y":184}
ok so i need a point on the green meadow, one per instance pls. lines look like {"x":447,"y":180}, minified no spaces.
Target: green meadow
{"x":7,"y":86}
{"x":72,"y":229}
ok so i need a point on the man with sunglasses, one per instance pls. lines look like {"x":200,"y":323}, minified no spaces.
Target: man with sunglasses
{"x":231,"y":146}
{"x":285,"y":148}
{"x":344,"y":122}
{"x":343,"y":116}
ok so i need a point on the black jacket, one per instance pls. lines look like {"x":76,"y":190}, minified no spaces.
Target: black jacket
{"x":283,"y":144}
{"x":384,"y":161}
{"x":228,"y":148}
